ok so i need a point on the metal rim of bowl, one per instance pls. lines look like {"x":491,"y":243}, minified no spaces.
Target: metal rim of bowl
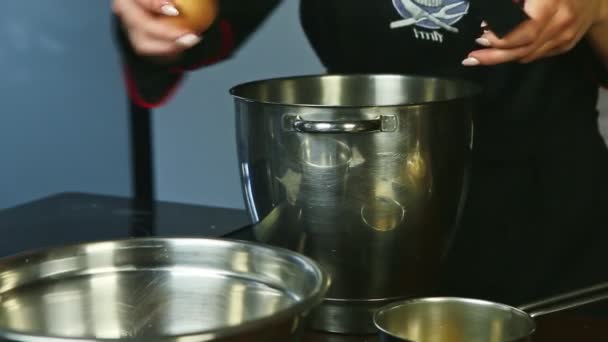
{"x":476,"y":89}
{"x":395,"y":305}
{"x":302,"y":306}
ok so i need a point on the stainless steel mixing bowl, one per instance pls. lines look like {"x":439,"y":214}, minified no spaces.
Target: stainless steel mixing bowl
{"x":363,"y":173}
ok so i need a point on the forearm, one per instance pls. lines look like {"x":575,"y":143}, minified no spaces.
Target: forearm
{"x":235,"y":24}
{"x":151,"y":81}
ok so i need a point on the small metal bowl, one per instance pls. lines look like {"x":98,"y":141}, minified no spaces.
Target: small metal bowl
{"x":154,"y":289}
{"x":453,"y":319}
{"x":446,"y":319}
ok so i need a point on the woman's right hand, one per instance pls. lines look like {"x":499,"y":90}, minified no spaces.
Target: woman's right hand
{"x":149,"y":34}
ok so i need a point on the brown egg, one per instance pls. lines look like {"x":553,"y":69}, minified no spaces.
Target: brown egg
{"x":195,"y":15}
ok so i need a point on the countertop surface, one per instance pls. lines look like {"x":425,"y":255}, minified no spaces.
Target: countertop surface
{"x":76,"y":217}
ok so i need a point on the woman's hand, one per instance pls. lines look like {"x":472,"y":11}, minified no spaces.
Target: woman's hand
{"x":555,"y":27}
{"x":148,"y":33}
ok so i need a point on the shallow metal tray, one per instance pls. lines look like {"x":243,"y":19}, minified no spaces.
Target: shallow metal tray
{"x":184,"y":289}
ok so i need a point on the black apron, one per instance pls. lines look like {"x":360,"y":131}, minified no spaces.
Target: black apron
{"x":535,"y":217}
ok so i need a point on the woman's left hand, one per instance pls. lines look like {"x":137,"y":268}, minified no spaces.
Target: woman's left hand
{"x":554,"y":27}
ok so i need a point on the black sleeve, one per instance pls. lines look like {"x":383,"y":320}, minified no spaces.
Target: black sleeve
{"x":151,"y":84}
{"x":598,"y":69}
{"x":602,"y":72}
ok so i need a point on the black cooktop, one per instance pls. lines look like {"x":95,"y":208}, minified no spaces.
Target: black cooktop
{"x":67,"y":218}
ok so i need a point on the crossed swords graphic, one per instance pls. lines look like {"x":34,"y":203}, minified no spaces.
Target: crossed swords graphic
{"x":418,"y":14}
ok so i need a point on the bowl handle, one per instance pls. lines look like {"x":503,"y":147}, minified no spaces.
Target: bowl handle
{"x":383,"y":123}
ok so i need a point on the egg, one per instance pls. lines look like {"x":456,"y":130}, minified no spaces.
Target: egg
{"x":194,"y":15}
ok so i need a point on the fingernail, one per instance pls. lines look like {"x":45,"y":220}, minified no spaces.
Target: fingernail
{"x":169,"y":10}
{"x":470,"y":61}
{"x":483,"y":41}
{"x":484,"y":26}
{"x":188,"y":40}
